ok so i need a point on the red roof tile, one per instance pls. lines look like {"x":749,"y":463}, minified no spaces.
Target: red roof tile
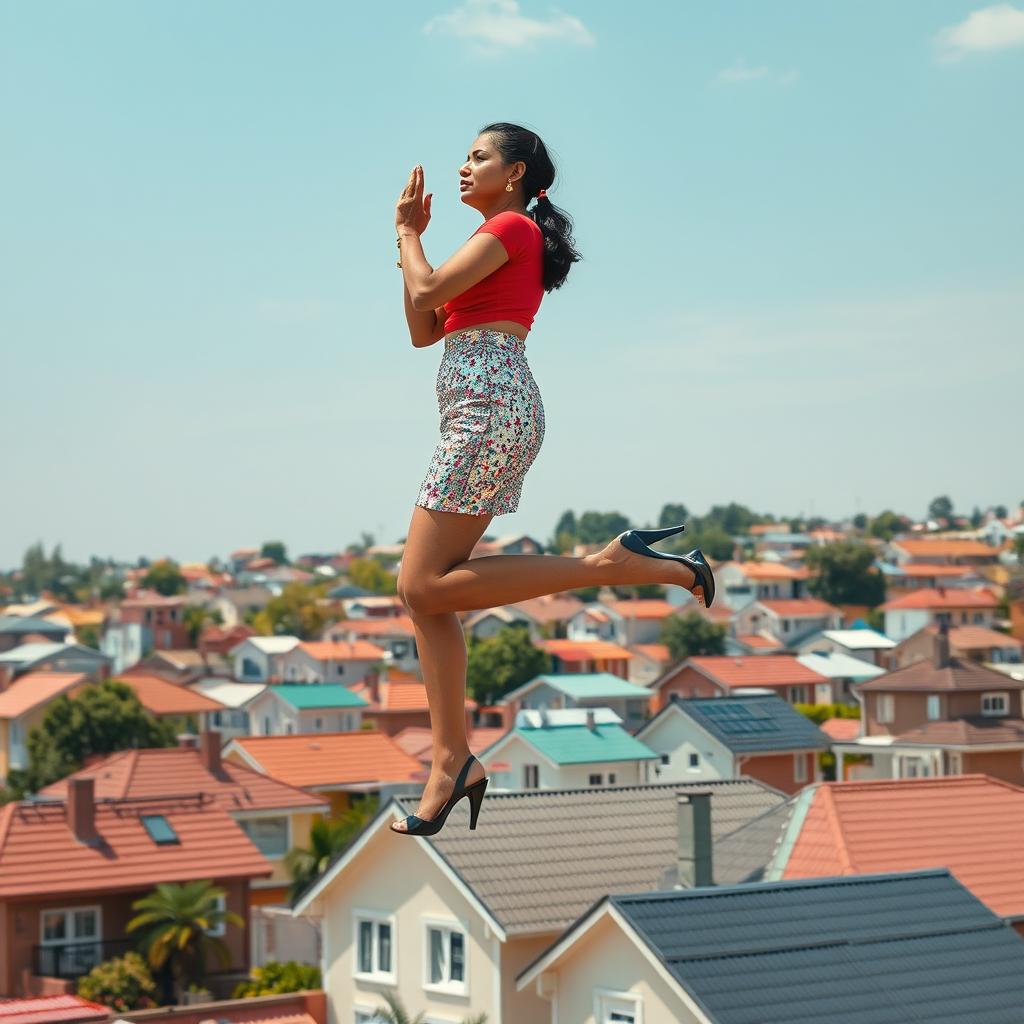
{"x":584,"y":650}
{"x":951,"y":597}
{"x":756,"y":670}
{"x":50,"y":1010}
{"x":373,"y":627}
{"x":656,"y":652}
{"x":971,"y":824}
{"x":34,"y":689}
{"x":924,"y":569}
{"x":920,"y":548}
{"x":756,"y":640}
{"x":161,"y":697}
{"x":966,"y":732}
{"x":796,"y":607}
{"x":643,"y":608}
{"x":398,"y":695}
{"x":343,"y":650}
{"x":841,"y":729}
{"x":767,"y":571}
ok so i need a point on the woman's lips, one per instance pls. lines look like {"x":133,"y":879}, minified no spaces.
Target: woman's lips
{"x":465,"y":184}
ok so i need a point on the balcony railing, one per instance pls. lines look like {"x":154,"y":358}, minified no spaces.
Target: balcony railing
{"x":73,"y":959}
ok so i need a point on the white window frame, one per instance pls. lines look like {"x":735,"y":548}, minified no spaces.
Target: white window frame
{"x":289,"y":838}
{"x":376,"y":917}
{"x":69,"y":912}
{"x":885,"y":708}
{"x":604,"y":996}
{"x":956,"y":762}
{"x":219,"y":930}
{"x":447,"y":926}
{"x":794,"y":691}
{"x":1001,"y":695}
{"x":799,"y":767}
{"x":363,"y":1013}
{"x":933,"y":707}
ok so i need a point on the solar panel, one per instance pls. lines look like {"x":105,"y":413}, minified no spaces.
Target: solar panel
{"x":740,"y":719}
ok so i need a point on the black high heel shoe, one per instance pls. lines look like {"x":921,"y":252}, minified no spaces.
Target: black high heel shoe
{"x":417,"y":826}
{"x":637,"y":540}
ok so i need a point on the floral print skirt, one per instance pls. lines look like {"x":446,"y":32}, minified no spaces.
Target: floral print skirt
{"x":492,"y":424}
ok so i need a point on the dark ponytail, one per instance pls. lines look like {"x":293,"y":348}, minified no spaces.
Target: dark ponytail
{"x":514,"y":143}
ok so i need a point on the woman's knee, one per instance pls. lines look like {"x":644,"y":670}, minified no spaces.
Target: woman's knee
{"x":417,"y":597}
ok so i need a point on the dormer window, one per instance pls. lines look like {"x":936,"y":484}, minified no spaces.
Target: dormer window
{"x":995,"y":703}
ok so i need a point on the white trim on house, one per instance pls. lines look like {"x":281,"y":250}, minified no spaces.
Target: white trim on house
{"x":388,"y":917}
{"x":601,"y":994}
{"x":784,"y":848}
{"x":446,"y":925}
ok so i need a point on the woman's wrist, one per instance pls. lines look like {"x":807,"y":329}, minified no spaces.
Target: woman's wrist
{"x":406,"y":232}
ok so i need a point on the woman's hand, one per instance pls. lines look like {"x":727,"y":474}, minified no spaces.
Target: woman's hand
{"x":413,"y":209}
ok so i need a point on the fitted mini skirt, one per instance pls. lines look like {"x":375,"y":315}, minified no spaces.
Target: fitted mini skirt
{"x":492,"y":424}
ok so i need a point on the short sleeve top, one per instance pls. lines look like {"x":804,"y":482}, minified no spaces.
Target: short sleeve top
{"x":513,"y":291}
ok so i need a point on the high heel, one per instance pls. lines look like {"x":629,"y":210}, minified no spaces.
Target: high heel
{"x":636,"y":540}
{"x":416,"y":826}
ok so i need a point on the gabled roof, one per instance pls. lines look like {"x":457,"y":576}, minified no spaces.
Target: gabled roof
{"x":581,"y":685}
{"x":798,"y":607}
{"x":859,"y":639}
{"x":584,"y":650}
{"x":30,"y":624}
{"x":65,"y":1008}
{"x":40,"y":854}
{"x":642,"y":608}
{"x":398,"y":693}
{"x":921,"y":548}
{"x":972,"y":824}
{"x":924,"y":676}
{"x":837,"y":665}
{"x":745,"y":725}
{"x":967,"y":732}
{"x":342,"y":650}
{"x":567,"y":742}
{"x":314,"y":696}
{"x":757,"y":670}
{"x":34,"y":689}
{"x":161,"y":697}
{"x":935,"y":597}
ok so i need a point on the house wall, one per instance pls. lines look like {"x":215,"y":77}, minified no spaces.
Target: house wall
{"x":1007,"y":765}
{"x":299,"y":666}
{"x":678,"y":737}
{"x":779,"y":770}
{"x":911,"y":709}
{"x":393,"y":722}
{"x":827,"y":645}
{"x":605,"y":959}
{"x":400,"y":878}
{"x":687,"y":682}
{"x":903,"y":622}
{"x":517,"y":753}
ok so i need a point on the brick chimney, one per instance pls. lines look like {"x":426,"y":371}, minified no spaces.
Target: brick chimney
{"x":693,"y":818}
{"x":373,"y":685}
{"x":590,"y":719}
{"x":6,"y":676}
{"x":80,"y":807}
{"x":209,"y":750}
{"x":940,"y":657}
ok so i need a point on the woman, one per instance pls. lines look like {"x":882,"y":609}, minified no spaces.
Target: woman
{"x":482,"y":301}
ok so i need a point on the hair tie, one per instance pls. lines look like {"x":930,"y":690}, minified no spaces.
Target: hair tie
{"x":542,"y":194}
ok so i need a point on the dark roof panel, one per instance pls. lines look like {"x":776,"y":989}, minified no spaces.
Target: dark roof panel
{"x":748,"y":724}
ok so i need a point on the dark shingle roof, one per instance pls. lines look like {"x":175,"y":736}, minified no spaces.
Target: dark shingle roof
{"x":868,"y":949}
{"x":753,"y":723}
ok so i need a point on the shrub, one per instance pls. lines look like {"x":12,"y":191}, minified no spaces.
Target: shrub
{"x":122,"y":983}
{"x":274,"y":977}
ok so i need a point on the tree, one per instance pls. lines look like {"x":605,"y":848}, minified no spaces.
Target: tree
{"x":294,"y":612}
{"x":327,"y":838}
{"x":1000,"y":511}
{"x":886,"y":525}
{"x":175,"y":924}
{"x":165,"y":578}
{"x":274,"y":549}
{"x":673,"y":514}
{"x":396,"y":1013}
{"x":860,"y":521}
{"x":275,"y":977}
{"x":104,"y":717}
{"x":692,"y":634}
{"x":369,"y":574}
{"x":846,"y":573}
{"x":503,"y":662}
{"x":195,"y":618}
{"x":940,"y":507}
{"x":122,"y":983}
{"x":976,"y":517}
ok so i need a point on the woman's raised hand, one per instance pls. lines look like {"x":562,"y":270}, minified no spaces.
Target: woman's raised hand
{"x":413,"y":209}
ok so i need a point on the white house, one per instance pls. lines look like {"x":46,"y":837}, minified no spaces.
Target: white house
{"x":787,"y":621}
{"x":907,"y":614}
{"x":325,"y":661}
{"x":257,"y":659}
{"x":584,"y":690}
{"x":291,"y":708}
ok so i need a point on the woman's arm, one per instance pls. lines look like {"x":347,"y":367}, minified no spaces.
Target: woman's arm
{"x":427,"y":288}
{"x":422,"y":323}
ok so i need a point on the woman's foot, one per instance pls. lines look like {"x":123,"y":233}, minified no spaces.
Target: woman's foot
{"x":621,"y":565}
{"x":441,"y":785}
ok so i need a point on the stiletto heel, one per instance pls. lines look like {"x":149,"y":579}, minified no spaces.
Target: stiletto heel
{"x":650,"y":536}
{"x":417,"y":826}
{"x":476,"y":798}
{"x":695,"y":561}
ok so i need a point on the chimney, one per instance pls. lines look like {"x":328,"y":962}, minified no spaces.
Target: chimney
{"x":693,"y":817}
{"x":373,"y":685}
{"x":6,"y":676}
{"x":941,"y":651}
{"x":81,"y":810}
{"x":187,"y":741}
{"x":209,"y":750}
{"x":590,"y":719}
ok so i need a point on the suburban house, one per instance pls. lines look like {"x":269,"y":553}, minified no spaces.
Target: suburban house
{"x":41,"y":655}
{"x":867,"y":644}
{"x":169,"y":700}
{"x":842,"y":671}
{"x":397,"y":700}
{"x":904,"y":551}
{"x":637,"y":621}
{"x":286,"y":708}
{"x":875,"y":949}
{"x":648,"y":662}
{"x":971,"y":824}
{"x":257,"y":659}
{"x":758,"y":736}
{"x":899,"y":579}
{"x":70,"y":870}
{"x":342,"y":767}
{"x":940,"y":716}
{"x":233,"y":717}
{"x":584,"y":690}
{"x":545,"y":616}
{"x":189,"y":665}
{"x":370,"y":606}
{"x":567,"y":748}
{"x":393,"y":634}
{"x":326,"y":661}
{"x":138,"y":624}
{"x":739,"y":583}
{"x":15,"y":629}
{"x":717,"y":674}
{"x":447,"y":923}
{"x":972,"y":643}
{"x":787,"y":621}
{"x":587,"y":656}
{"x":906,"y":614}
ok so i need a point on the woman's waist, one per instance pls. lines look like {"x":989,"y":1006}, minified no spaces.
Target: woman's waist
{"x":469,"y":339}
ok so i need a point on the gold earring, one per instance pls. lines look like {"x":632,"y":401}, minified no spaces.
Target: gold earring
{"x":508,"y":187}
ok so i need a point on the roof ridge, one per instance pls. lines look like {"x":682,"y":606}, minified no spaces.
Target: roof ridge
{"x":134,"y":761}
{"x":836,"y":828}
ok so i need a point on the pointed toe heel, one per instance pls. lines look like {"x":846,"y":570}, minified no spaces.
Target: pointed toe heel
{"x":638,"y":540}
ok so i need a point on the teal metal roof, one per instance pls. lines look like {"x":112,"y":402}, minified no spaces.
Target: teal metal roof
{"x":305,"y":696}
{"x":593,"y":684}
{"x":576,"y":744}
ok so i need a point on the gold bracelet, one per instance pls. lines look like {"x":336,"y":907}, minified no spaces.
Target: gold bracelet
{"x":398,"y":242}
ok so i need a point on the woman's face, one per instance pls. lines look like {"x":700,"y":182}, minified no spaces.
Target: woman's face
{"x":482,"y":178}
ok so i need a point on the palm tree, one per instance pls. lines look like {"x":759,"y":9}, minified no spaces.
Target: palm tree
{"x":396,"y":1013}
{"x":175,"y":923}
{"x":327,"y":838}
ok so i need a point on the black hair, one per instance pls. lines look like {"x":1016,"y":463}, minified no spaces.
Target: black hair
{"x":514,"y":143}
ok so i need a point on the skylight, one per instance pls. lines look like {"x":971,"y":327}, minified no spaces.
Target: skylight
{"x":159,"y":829}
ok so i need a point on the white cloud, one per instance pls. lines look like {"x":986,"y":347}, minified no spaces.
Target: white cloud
{"x":997,"y":27}
{"x":737,"y":74}
{"x":492,"y":25}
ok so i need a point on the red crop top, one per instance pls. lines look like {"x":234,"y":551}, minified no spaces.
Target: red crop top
{"x":514,"y":290}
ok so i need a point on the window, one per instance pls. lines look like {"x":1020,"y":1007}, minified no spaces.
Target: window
{"x":885,"y":710}
{"x":785,"y":625}
{"x":446,"y":957}
{"x":369,"y":1017}
{"x":318,"y":724}
{"x":269,"y":834}
{"x":694,"y":761}
{"x":611,"y":778}
{"x":159,"y":829}
{"x":956,"y":763}
{"x":799,"y":767}
{"x":250,"y":669}
{"x":934,"y":707}
{"x":531,"y":774}
{"x":595,"y":780}
{"x":798,"y":695}
{"x":220,"y":928}
{"x":979,"y":618}
{"x":666,"y":758}
{"x":70,"y":942}
{"x":289,"y":729}
{"x":617,"y":1007}
{"x":375,"y":948}
{"x":995,"y":703}
{"x":266,"y":725}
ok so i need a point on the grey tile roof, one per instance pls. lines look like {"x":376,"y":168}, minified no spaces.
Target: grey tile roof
{"x":754,"y":723}
{"x":743,"y":855}
{"x":538,"y":858}
{"x":867,"y":949}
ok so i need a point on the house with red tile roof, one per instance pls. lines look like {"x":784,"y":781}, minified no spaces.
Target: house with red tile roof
{"x":971,"y":643}
{"x":622,"y":622}
{"x":739,"y":583}
{"x":396,"y":700}
{"x":588,"y":656}
{"x":941,"y":551}
{"x":788,"y":621}
{"x":906,"y":614}
{"x":169,"y":700}
{"x":70,"y":870}
{"x":141,"y":623}
{"x":59,"y":1009}
{"x":648,"y":662}
{"x":329,"y":661}
{"x":971,"y":824}
{"x":338,"y":766}
{"x":394,"y":634}
{"x":721,"y":674}
{"x":543,"y":616}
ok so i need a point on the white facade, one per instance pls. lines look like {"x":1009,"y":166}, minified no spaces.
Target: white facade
{"x":687,"y":752}
{"x":257,"y":659}
{"x":270,"y":715}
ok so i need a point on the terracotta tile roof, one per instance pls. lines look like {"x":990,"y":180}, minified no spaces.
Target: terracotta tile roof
{"x":965,"y":732}
{"x":952,"y":597}
{"x":550,"y":608}
{"x":943,"y":548}
{"x":657,"y":652}
{"x":757,"y":670}
{"x":50,"y":1010}
{"x":643,"y":608}
{"x":34,"y":689}
{"x":39,"y":852}
{"x":924,"y":569}
{"x":794,"y":608}
{"x":967,"y":638}
{"x":597,"y":614}
{"x":328,"y":759}
{"x":157,"y":772}
{"x":373,"y":627}
{"x":971,"y":824}
{"x":924,"y":676}
{"x":766,"y":570}
{"x":417,"y":740}
{"x":398,"y":695}
{"x":841,"y":728}
{"x":343,"y":650}
{"x":757,"y":640}
{"x":161,"y":697}
{"x":584,"y":650}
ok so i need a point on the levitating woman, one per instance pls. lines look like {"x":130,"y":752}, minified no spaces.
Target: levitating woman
{"x":482,"y":301}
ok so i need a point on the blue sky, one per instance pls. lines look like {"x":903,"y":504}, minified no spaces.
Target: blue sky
{"x":802,"y":286}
